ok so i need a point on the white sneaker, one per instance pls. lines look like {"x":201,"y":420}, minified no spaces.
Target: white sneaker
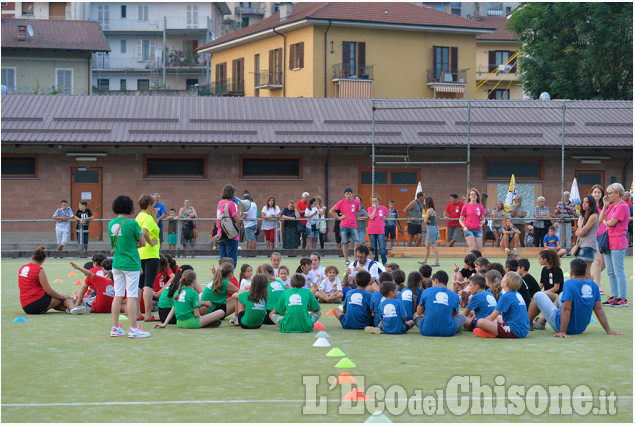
{"x":118,"y":331}
{"x":371,"y":330}
{"x":80,"y":309}
{"x":137,"y":333}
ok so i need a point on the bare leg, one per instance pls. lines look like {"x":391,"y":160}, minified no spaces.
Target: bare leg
{"x":231,"y":306}
{"x":345,"y":251}
{"x":436,"y":252}
{"x":479,"y":244}
{"x":147,"y":301}
{"x":337,"y":313}
{"x":425,"y":260}
{"x":489,"y":326}
{"x":211,"y":317}
{"x":470,"y":242}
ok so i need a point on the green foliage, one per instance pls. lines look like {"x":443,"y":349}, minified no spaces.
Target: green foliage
{"x":576,"y":50}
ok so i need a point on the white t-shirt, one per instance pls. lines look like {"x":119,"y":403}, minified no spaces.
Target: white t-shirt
{"x":287,"y":283}
{"x":314,"y":219}
{"x":245,"y":284}
{"x":271,"y":223}
{"x":320,"y":274}
{"x":276,"y":273}
{"x":374,"y":270}
{"x":331,"y":287}
{"x":252,"y":215}
{"x":309,"y":280}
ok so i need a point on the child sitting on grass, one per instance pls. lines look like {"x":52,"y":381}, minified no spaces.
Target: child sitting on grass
{"x":481,"y":304}
{"x":408,"y":295}
{"x":276,"y":258}
{"x":275,"y":289}
{"x":246,"y":271}
{"x":217,"y":290}
{"x":511,"y":307}
{"x":392,"y":313}
{"x":309,"y":278}
{"x":356,"y":311}
{"x":552,"y":241}
{"x":330,"y":290}
{"x":104,"y":291}
{"x":460,"y":277}
{"x":251,"y":306}
{"x":493,"y":282}
{"x":399,"y":277}
{"x":377,"y":298}
{"x":438,"y":308}
{"x":291,"y":313}
{"x":551,"y":276}
{"x":166,"y":301}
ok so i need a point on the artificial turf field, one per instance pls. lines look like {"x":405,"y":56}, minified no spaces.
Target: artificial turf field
{"x":62,"y":368}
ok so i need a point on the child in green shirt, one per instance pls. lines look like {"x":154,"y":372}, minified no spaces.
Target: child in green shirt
{"x":250,"y":310}
{"x":291,"y":313}
{"x":217,"y":290}
{"x":275,"y":288}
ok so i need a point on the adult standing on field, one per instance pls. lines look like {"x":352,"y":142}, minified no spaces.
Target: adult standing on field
{"x":453,"y":212}
{"x":597,"y":191}
{"x":349,"y":208}
{"x":63,"y":215}
{"x":568,"y":213}
{"x":300,"y":209}
{"x":472,"y":219}
{"x":148,"y":254}
{"x":517,"y":215}
{"x":227,"y":247}
{"x":160,"y":213}
{"x":414,"y":211}
{"x":125,"y":239}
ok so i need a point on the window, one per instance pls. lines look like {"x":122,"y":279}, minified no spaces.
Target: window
{"x":503,"y":169}
{"x":296,"y":56}
{"x":143,"y":12}
{"x":275,"y":66}
{"x":27,"y":8}
{"x":381,"y":177}
{"x":103,"y":16}
{"x":455,"y":8}
{"x":221,"y":73}
{"x":589,"y":178}
{"x":123,"y":10}
{"x":403,"y":177}
{"x":103,"y":84}
{"x":497,"y":59}
{"x":8,"y":79}
{"x":146,"y":50}
{"x":122,"y":85}
{"x":499,"y":94}
{"x":143,"y":85}
{"x":64,"y":80}
{"x":101,"y":60}
{"x":238,"y":75}
{"x":275,"y":167}
{"x":192,"y":16}
{"x":188,"y":166}
{"x":19,"y":165}
{"x":191,"y":83}
{"x":445,"y":63}
{"x":245,"y":22}
{"x":353,"y":58}
{"x":123,"y":46}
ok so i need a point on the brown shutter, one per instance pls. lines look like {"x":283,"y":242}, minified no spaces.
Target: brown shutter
{"x":292,"y":56}
{"x":514,"y":62}
{"x":346,"y":59}
{"x":271,"y":66}
{"x":279,"y":68}
{"x":234,"y":75}
{"x":492,"y":60}
{"x":434,"y":75}
{"x":454,"y":59}
{"x":241,"y":75}
{"x":301,"y":54}
{"x":361,"y":56}
{"x":217,"y":73}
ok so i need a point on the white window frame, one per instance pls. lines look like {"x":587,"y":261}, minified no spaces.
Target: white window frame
{"x":152,"y":46}
{"x":192,"y":16}
{"x":123,"y":46}
{"x":4,"y":82}
{"x":65,"y":90}
{"x":103,"y":16}
{"x":142,"y":12}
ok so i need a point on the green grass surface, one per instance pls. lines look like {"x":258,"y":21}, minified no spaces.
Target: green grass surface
{"x":62,"y":368}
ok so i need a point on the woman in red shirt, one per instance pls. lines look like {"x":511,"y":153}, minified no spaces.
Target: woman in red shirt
{"x":36,"y":294}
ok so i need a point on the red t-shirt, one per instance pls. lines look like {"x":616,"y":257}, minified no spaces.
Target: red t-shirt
{"x":301,"y":207}
{"x":454,"y":211}
{"x":29,"y":284}
{"x":161,"y":280}
{"x":105,"y":294}
{"x":97,"y":271}
{"x":235,"y":282}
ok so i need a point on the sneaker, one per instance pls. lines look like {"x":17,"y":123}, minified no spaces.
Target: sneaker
{"x":601,"y":292}
{"x":538,"y":325}
{"x":483,"y":334}
{"x":140,"y":318}
{"x":215,"y":324}
{"x":515,"y":250}
{"x":80,"y":309}
{"x":347,"y":263}
{"x":233,"y":321}
{"x":610,"y":301}
{"x":621,"y":302}
{"x":118,"y":331}
{"x":507,"y":251}
{"x":137,"y":333}
{"x":372,"y":330}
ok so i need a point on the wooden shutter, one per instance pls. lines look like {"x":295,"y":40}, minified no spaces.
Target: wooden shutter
{"x":492,"y":60}
{"x":454,"y":59}
{"x":241,"y":71}
{"x":292,"y":56}
{"x":217,"y":73}
{"x":271,"y":59}
{"x":301,"y":54}
{"x":514,"y":62}
{"x":235,"y":72}
{"x":279,"y":68}
{"x":435,"y":77}
{"x":346,"y":59}
{"x":361,"y":56}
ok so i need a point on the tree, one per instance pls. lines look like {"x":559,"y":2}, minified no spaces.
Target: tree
{"x":575,"y":50}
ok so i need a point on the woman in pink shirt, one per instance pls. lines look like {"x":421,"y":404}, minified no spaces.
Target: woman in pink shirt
{"x":472,"y":219}
{"x":615,"y":217}
{"x":376,"y":230}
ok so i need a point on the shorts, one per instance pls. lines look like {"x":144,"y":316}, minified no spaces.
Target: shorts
{"x":38,"y":307}
{"x":475,"y":233}
{"x":390,"y":232}
{"x":172,"y":240}
{"x":453,"y":233}
{"x":473,"y":324}
{"x":414,"y":229}
{"x":250,"y":233}
{"x":62,"y":237}
{"x":163,"y":314}
{"x":218,"y":307}
{"x":310,"y":233}
{"x":191,"y":323}
{"x":82,"y":237}
{"x":240,"y":316}
{"x":270,"y":235}
{"x":268,"y":320}
{"x":348,"y":233}
{"x":150,"y":267}
{"x":547,"y":308}
{"x":126,"y":282}
{"x":361,"y":236}
{"x":504,"y":331}
{"x":586,"y":254}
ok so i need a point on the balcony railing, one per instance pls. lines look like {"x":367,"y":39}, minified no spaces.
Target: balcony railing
{"x":225,"y":87}
{"x":495,"y":12}
{"x":268,"y":80}
{"x":452,"y":76}
{"x":346,"y":71}
{"x":509,"y":71}
{"x":240,"y":10}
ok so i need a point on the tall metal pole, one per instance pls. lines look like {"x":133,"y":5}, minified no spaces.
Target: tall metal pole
{"x":373,"y":154}
{"x":165,"y":50}
{"x":564,"y":109}
{"x":469,"y":128}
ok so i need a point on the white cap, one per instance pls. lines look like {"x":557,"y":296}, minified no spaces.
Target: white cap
{"x":305,"y":194}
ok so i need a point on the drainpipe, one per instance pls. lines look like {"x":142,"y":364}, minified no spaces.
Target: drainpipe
{"x":325,"y":48}
{"x":284,"y":62}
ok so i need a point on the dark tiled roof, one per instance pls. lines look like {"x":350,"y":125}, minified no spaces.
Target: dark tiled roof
{"x":217,"y":121}
{"x":368,"y":12}
{"x":55,"y":35}
{"x":500,"y":34}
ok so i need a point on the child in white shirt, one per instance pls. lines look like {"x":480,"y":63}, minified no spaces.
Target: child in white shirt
{"x":330,"y":290}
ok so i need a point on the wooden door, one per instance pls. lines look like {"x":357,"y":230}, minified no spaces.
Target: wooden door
{"x":86,"y":185}
{"x":399,"y":185}
{"x":588,"y":178}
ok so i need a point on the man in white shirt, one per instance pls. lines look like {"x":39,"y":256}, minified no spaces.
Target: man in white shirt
{"x":250,"y":223}
{"x":63,"y":216}
{"x":362,"y":263}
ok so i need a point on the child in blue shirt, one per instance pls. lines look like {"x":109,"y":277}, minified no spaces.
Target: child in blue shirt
{"x":511,"y":306}
{"x":438,"y":308}
{"x":481,"y":304}
{"x":377,"y":298}
{"x":391,"y":312}
{"x":355,"y":313}
{"x":408,"y":295}
{"x":552,"y":241}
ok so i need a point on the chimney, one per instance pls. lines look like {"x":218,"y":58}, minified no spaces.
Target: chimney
{"x":285,"y":10}
{"x":21,"y":32}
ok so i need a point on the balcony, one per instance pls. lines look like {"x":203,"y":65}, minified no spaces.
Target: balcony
{"x":343,"y":71}
{"x":241,"y":10}
{"x":268,"y":80}
{"x":453,"y":81}
{"x":225,"y":87}
{"x":495,"y":12}
{"x":501,"y":72}
{"x":180,"y":59}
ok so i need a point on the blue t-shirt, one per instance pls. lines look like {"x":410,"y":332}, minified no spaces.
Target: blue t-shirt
{"x":357,"y":306}
{"x":160,"y":209}
{"x":512,"y":306}
{"x":483,"y":304}
{"x":408,"y":302}
{"x":376,"y":298}
{"x":551,"y":240}
{"x":419,"y":292}
{"x":439,"y":303}
{"x":392,"y":312}
{"x":583,"y":294}
{"x":392,"y":215}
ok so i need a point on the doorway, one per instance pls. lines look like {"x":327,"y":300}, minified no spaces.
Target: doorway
{"x":86,"y":185}
{"x":398,"y":185}
{"x":588,"y":178}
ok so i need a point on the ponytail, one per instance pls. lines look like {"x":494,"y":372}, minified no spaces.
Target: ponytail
{"x":221,"y":273}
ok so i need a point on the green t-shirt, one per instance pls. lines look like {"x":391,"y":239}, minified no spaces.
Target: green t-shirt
{"x":146,"y":221}
{"x":185,"y":303}
{"x":254,"y":313}
{"x":275,"y":289}
{"x":295,"y":304}
{"x":164,"y":301}
{"x":216,"y":298}
{"x":126,"y":256}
